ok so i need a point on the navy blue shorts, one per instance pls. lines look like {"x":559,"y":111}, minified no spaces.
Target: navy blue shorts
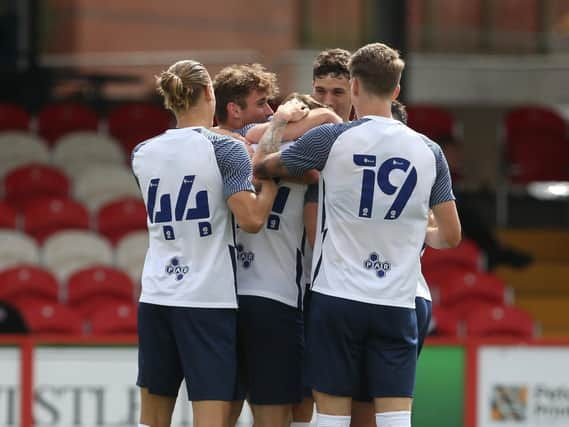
{"x":195,"y":344}
{"x":424,"y":310}
{"x":354,"y":345}
{"x":306,"y":388}
{"x":271,"y":346}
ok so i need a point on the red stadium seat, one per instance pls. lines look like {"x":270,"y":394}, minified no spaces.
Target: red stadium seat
{"x":115,"y":319}
{"x":13,"y":117}
{"x":26,"y":183}
{"x":445,"y":324}
{"x":119,"y":217}
{"x":92,"y":288}
{"x":52,"y":319}
{"x":45,"y":216}
{"x":134,"y":122}
{"x":501,"y":321}
{"x":57,"y":120}
{"x":466,"y":256}
{"x":537,"y":147}
{"x":24,"y":283}
{"x":466,"y":291}
{"x":8,"y":216}
{"x":432,"y":121}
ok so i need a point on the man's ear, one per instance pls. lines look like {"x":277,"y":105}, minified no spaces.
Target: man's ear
{"x":396,"y":92}
{"x":233,"y":110}
{"x":355,"y":86}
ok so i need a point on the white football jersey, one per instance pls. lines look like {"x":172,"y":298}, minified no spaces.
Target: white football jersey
{"x":378,"y":180}
{"x":270,"y":262}
{"x":185,"y":176}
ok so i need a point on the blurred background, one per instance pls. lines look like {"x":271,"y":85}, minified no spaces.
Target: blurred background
{"x":487,"y":79}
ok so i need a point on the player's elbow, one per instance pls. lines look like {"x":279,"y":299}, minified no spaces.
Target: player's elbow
{"x":453,"y":238}
{"x":251,"y":223}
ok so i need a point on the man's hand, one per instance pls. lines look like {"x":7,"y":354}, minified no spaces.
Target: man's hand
{"x":291,"y":111}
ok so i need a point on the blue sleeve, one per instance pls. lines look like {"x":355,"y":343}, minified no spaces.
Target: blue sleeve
{"x":311,"y":195}
{"x":243,"y":131}
{"x":442,"y":188}
{"x":234,"y":164}
{"x":311,"y":150}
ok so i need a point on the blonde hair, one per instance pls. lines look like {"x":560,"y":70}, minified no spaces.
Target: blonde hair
{"x":182,"y":84}
{"x":306,"y":99}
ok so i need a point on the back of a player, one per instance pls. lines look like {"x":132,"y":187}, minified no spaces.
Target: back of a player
{"x":189,"y":223}
{"x":371,"y":239}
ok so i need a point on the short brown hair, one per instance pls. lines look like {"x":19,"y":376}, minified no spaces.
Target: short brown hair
{"x":182,"y":84}
{"x":331,"y":61}
{"x":235,"y":82}
{"x":378,"y":67}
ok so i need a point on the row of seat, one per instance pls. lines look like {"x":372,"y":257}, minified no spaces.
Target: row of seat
{"x":44,"y":216}
{"x":94,"y":186}
{"x":129,"y":123}
{"x":68,"y":251}
{"x":72,"y":153}
{"x":110,"y":318}
{"x":523,"y":129}
{"x":86,"y":290}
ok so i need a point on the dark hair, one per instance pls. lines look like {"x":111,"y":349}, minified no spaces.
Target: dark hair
{"x":398,"y":111}
{"x":182,"y":84}
{"x":378,"y":67}
{"x":331,"y":61}
{"x":235,"y":82}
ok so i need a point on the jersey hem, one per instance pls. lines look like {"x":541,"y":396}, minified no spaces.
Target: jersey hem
{"x":269,"y":296}
{"x":365,"y":300}
{"x":194,"y":304}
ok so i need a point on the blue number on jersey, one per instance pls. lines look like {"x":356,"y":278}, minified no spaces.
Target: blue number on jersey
{"x":385,"y":169}
{"x":200,"y":211}
{"x":274,"y":221}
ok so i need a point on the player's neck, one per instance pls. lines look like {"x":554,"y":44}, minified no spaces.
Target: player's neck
{"x":194,"y":117}
{"x":373,"y":107}
{"x":231,"y":125}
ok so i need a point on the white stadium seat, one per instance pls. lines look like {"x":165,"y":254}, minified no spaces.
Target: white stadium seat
{"x":68,"y":251}
{"x":20,"y":148}
{"x":77,"y":151}
{"x":102,"y":183}
{"x":131,"y":253}
{"x":17,"y":248}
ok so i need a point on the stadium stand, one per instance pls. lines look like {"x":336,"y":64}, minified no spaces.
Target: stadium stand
{"x":525,"y":128}
{"x":131,"y":252}
{"x":17,"y":248}
{"x":433,"y":121}
{"x":32,"y":181}
{"x":497,"y":320}
{"x":13,"y":117}
{"x":20,"y":148}
{"x":132,"y":123}
{"x":56,"y":319}
{"x":92,"y":288}
{"x":24,"y":284}
{"x":68,"y":251}
{"x":100,"y":184}
{"x":121,"y":216}
{"x":47,"y":215}
{"x":8,"y":216}
{"x":115,"y":318}
{"x":77,"y":151}
{"x":56,"y":120}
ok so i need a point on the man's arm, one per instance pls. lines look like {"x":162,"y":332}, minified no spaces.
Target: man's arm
{"x":445,"y":231}
{"x":295,"y":129}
